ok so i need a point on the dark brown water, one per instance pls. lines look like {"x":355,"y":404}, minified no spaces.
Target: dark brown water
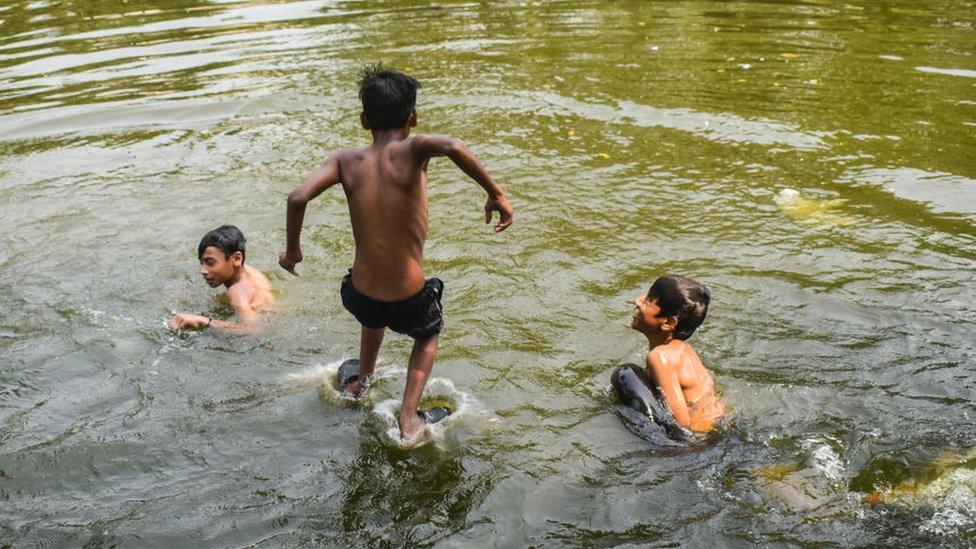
{"x":634,"y":139}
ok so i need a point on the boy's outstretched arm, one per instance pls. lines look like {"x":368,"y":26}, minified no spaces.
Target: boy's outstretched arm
{"x":320,"y":180}
{"x":667,"y":380}
{"x":429,"y":146}
{"x":250,"y":322}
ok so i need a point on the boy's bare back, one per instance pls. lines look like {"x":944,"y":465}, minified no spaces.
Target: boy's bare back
{"x":386,"y":189}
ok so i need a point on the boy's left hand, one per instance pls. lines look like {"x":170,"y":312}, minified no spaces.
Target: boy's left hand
{"x":188,"y":322}
{"x":505,"y":212}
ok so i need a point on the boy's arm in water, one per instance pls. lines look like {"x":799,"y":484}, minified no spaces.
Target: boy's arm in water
{"x":320,"y":180}
{"x":667,"y":380}
{"x":250,"y":322}
{"x":428,"y":146}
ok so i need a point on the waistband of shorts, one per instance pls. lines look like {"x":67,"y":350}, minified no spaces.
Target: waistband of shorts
{"x":348,"y":280}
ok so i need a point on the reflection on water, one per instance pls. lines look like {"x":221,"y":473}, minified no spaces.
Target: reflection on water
{"x":635,"y":139}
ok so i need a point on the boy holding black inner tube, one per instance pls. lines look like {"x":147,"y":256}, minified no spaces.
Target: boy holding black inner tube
{"x":673,"y":308}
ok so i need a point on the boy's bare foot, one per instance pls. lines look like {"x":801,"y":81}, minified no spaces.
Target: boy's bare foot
{"x":410,"y":426}
{"x":354,"y":388}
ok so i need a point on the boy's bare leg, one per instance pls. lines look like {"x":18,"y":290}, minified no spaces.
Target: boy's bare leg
{"x":369,"y":348}
{"x":421,"y":362}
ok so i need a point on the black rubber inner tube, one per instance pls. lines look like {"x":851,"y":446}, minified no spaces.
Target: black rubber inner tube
{"x":639,"y":391}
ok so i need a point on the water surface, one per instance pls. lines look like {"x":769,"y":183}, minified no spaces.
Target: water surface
{"x":633,"y":138}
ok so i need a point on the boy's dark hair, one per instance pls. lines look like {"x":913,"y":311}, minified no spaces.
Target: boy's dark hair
{"x":388,"y":97}
{"x":682,"y":299}
{"x":226,"y":238}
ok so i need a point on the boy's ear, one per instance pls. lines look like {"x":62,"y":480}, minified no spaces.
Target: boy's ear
{"x":670,"y":323}
{"x":412,"y":121}
{"x":237,"y":258}
{"x":364,"y":121}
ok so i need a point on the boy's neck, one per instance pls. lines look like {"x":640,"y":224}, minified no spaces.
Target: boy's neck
{"x":238,"y":274}
{"x":383,"y":137}
{"x":658,"y":339}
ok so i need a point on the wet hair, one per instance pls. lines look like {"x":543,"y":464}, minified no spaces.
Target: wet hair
{"x":226,"y":238}
{"x":682,"y":299}
{"x":388,"y":97}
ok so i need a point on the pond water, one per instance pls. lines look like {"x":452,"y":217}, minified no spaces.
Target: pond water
{"x":812,"y":162}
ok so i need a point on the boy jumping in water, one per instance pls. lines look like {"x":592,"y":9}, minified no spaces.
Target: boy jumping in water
{"x":386,"y":190}
{"x":221,"y":254}
{"x":671,"y":311}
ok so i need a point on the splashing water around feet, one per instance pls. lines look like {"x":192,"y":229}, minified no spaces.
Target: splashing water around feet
{"x":440,"y":392}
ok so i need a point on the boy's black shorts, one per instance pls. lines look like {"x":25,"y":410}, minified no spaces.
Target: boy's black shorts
{"x":419,"y":316}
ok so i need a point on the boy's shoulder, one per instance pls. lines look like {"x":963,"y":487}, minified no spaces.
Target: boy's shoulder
{"x":253,"y":281}
{"x":670,"y":355}
{"x":257,"y":273}
{"x":352,"y":153}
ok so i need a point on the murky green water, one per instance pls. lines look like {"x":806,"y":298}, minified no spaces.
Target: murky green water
{"x":634,"y":139}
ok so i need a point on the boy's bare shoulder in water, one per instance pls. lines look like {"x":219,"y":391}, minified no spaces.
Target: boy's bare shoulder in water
{"x":671,"y":311}
{"x":221,"y":254}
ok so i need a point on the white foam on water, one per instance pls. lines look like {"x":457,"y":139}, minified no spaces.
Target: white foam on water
{"x":825,"y":459}
{"x":319,"y":374}
{"x":953,"y":495}
{"x":326,"y":377}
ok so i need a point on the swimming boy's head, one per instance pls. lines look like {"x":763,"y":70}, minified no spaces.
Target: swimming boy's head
{"x":674,"y":304}
{"x":388,"y":99}
{"x":221,"y":254}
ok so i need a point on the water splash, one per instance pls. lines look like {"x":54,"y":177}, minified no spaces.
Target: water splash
{"x":438,"y":391}
{"x":828,"y":462}
{"x":326,"y":377}
{"x":946,"y":488}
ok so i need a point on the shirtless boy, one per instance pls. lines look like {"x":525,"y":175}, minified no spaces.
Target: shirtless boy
{"x":671,"y":311}
{"x":221,"y":254}
{"x":386,"y":190}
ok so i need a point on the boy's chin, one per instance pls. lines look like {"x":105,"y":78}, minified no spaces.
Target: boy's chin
{"x":213,"y":283}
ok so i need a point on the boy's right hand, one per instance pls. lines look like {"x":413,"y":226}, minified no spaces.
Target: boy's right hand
{"x":289,"y":260}
{"x":185,"y":321}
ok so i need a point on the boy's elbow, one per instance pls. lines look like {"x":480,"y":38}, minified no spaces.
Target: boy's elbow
{"x":455,"y":148}
{"x":297,"y":198}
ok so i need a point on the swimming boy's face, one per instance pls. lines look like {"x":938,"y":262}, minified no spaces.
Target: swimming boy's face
{"x":645,"y":318}
{"x":218,"y":268}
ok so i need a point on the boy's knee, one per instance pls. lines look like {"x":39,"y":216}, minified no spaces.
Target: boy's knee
{"x":428,"y":341}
